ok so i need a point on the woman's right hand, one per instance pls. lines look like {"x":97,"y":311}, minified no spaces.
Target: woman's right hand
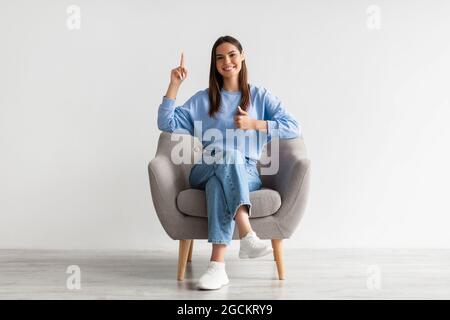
{"x":179,"y":74}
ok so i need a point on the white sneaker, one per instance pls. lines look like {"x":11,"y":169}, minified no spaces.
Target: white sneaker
{"x":253,"y":247}
{"x":214,"y":278}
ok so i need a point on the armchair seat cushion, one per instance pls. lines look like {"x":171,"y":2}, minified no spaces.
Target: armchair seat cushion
{"x":265,"y":202}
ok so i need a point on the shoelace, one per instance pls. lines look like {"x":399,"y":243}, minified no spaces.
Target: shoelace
{"x":253,"y":240}
{"x":211,"y":269}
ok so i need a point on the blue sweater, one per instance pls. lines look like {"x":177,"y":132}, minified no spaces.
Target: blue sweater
{"x":193,"y":118}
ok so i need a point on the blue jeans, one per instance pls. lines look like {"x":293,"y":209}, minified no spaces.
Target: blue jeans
{"x":227,"y":186}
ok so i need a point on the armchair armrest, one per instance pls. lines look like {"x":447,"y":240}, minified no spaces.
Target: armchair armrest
{"x":292,"y":183}
{"x":166,"y":181}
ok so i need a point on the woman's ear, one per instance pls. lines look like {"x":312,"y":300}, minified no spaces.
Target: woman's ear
{"x":243,"y":55}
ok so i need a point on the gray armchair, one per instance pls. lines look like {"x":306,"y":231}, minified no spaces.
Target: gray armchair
{"x":276,"y":209}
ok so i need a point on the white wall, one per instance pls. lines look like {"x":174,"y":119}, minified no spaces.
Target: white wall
{"x":78,"y":114}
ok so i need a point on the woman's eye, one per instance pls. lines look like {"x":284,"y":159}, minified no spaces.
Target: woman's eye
{"x":218,"y":58}
{"x":232,"y":55}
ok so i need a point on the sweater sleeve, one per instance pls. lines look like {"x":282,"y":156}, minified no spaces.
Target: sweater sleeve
{"x":175,"y":119}
{"x":280,"y":123}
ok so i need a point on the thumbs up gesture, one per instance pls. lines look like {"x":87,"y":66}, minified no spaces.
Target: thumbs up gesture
{"x":243,"y":121}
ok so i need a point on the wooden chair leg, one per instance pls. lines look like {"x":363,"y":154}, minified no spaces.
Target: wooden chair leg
{"x":183,"y":253}
{"x":191,"y":247}
{"x":277,"y":245}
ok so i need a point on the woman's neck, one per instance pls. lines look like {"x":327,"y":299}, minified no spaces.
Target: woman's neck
{"x":231,"y":84}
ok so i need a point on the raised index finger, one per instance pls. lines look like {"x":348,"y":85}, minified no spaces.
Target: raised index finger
{"x":182,"y":60}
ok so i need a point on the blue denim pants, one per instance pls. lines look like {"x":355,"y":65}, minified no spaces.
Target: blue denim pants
{"x":227,"y":185}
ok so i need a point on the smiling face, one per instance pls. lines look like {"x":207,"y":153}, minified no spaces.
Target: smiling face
{"x":228,"y":60}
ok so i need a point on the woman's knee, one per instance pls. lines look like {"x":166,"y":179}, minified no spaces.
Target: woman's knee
{"x":212,"y":184}
{"x":232,"y":156}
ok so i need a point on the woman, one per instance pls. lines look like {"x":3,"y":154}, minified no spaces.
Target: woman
{"x":230,"y":103}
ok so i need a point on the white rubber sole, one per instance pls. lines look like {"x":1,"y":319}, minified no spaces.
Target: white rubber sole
{"x":200,"y":287}
{"x":262,"y":254}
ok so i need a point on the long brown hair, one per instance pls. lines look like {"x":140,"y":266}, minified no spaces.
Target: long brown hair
{"x":216,"y":79}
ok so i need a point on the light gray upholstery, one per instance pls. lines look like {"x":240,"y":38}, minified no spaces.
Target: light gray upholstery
{"x":276,"y":209}
{"x":264,"y":202}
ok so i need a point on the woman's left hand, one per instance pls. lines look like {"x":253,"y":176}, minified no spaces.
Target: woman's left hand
{"x":243,"y":121}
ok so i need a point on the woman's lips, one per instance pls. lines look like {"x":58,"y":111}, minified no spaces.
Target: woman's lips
{"x":228,"y":68}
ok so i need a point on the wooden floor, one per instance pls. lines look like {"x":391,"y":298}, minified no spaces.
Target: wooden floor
{"x":310,"y":274}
